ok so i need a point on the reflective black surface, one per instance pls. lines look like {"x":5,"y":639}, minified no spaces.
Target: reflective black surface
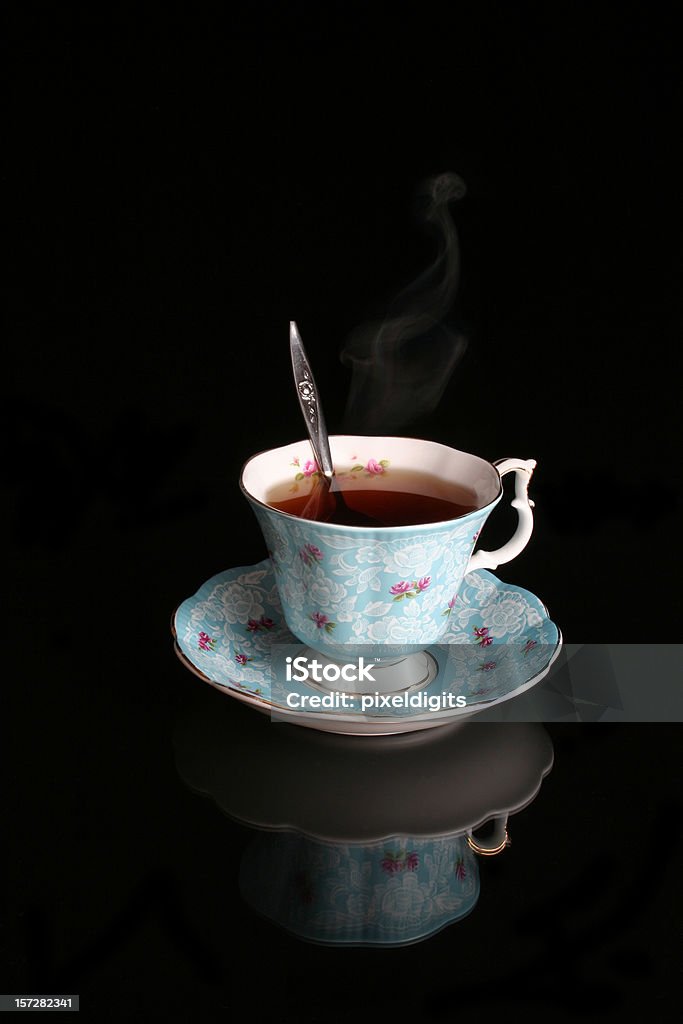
{"x":181,"y":189}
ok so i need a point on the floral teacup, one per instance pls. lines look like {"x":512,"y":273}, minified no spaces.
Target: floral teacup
{"x":378,"y":591}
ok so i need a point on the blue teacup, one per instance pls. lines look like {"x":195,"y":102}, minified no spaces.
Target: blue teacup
{"x":378,"y":591}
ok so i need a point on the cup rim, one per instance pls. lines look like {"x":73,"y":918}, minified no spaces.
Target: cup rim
{"x":374,"y":529}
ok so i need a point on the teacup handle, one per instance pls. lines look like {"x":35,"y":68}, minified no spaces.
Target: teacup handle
{"x":519,"y":540}
{"x":496,"y":843}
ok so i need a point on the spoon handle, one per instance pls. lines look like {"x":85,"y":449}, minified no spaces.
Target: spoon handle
{"x":310,"y":402}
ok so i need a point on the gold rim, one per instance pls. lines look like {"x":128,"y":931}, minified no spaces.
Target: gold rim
{"x":488,"y":851}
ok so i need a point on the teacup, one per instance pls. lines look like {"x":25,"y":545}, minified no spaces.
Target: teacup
{"x":378,"y":591}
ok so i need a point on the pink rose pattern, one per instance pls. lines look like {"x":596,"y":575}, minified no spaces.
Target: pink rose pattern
{"x":371,"y":468}
{"x":255,"y":625}
{"x":482,"y":636}
{"x":401,"y":861}
{"x":310,"y":554}
{"x":322,"y":622}
{"x":459,"y":869}
{"x":449,"y":607}
{"x":412,"y":589}
{"x":206,"y":642}
{"x":310,"y":468}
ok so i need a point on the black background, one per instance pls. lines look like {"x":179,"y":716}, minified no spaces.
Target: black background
{"x":178,"y":187}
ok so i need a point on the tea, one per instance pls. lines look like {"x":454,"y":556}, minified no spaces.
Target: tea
{"x":397,"y":498}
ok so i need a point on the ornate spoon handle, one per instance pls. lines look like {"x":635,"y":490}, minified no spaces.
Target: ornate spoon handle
{"x":309,"y":401}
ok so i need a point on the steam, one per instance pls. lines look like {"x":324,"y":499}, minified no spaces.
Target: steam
{"x":401,"y":365}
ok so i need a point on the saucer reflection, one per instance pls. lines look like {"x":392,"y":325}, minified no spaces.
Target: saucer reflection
{"x":362,"y":841}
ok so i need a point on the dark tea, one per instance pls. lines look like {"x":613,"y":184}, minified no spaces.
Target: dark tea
{"x":400,"y":497}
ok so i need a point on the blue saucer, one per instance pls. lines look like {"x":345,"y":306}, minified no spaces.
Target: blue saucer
{"x":499,"y":642}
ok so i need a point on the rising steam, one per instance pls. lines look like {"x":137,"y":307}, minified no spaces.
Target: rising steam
{"x":401,"y":365}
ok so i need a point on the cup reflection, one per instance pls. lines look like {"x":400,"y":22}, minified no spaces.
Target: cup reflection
{"x":391,"y":892}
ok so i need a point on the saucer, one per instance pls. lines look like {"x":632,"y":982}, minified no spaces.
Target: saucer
{"x":498,"y":643}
